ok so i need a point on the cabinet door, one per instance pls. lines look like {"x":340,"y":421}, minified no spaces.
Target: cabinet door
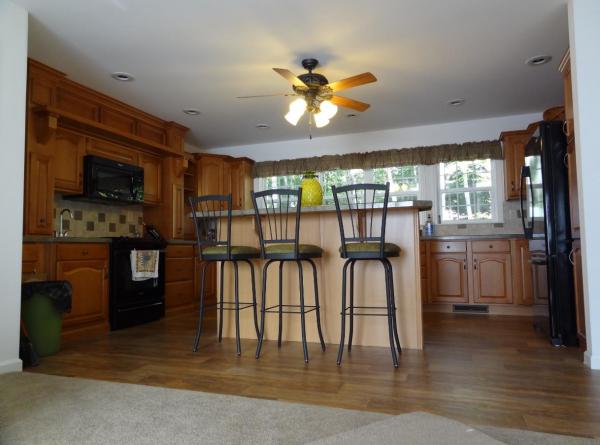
{"x":210,"y":287}
{"x":573,"y":194}
{"x":152,"y":166}
{"x":578,"y":278}
{"x":513,"y":143}
{"x":211,"y":175}
{"x":69,"y":149}
{"x":39,"y":204}
{"x":448,"y":272}
{"x":235,"y":183}
{"x":89,"y":279}
{"x":112,"y":151}
{"x":34,"y":262}
{"x":569,"y":129}
{"x":492,"y":275}
{"x":522,"y":272}
{"x":178,"y":211}
{"x":226,"y":186}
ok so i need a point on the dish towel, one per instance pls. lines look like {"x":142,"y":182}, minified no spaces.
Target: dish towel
{"x":144,"y":264}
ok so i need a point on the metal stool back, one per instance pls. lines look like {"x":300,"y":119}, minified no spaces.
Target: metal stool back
{"x":362,"y":236}
{"x":206,"y":213}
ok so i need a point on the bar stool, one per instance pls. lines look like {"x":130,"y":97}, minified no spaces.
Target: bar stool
{"x":279,"y":242}
{"x":360,"y":204}
{"x":214,"y":245}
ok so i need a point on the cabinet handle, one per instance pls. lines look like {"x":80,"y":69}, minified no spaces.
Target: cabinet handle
{"x":566,"y":160}
{"x":42,"y":221}
{"x":465,"y":264}
{"x":571,"y":260}
{"x":565,"y":127}
{"x":84,"y":252}
{"x":474,"y":264}
{"x":512,"y":185}
{"x":447,"y":247}
{"x":491,"y":246}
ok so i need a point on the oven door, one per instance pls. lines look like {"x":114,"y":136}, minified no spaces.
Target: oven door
{"x":128,"y":293}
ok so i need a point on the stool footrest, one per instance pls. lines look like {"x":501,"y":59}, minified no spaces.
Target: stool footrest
{"x":275,"y":309}
{"x":230,"y":305}
{"x":369,"y":314}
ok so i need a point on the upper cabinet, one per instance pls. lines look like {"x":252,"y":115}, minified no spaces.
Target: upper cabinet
{"x":69,"y":149}
{"x":565,"y":68}
{"x":513,"y":145}
{"x":152,"y":166}
{"x":39,"y":194}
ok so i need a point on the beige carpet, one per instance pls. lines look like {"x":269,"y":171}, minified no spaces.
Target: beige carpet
{"x":40,"y":409}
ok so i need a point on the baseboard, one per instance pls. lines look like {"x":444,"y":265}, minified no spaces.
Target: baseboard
{"x":591,"y":361}
{"x":14,"y":365}
{"x":494,"y":309}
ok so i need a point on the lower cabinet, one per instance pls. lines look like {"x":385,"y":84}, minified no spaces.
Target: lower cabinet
{"x":575,"y":258}
{"x":85,"y":266}
{"x":493,"y":271}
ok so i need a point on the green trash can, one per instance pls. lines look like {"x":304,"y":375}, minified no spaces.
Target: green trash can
{"x":42,"y":305}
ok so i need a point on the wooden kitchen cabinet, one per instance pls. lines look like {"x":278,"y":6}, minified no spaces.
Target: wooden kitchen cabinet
{"x":448,"y":274}
{"x":513,"y":145}
{"x":492,"y":278}
{"x":112,"y":151}
{"x":85,"y":266}
{"x":573,"y":192}
{"x":69,"y":149}
{"x":34,"y":262}
{"x":576,"y":259}
{"x":241,"y":183}
{"x":178,"y":210}
{"x":39,"y":201}
{"x":180,"y":278}
{"x":152,"y":166}
{"x":210,"y":175}
{"x":522,"y":272}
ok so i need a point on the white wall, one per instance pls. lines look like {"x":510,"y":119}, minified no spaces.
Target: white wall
{"x":584,"y":36}
{"x":13,"y":78}
{"x":454,"y":132}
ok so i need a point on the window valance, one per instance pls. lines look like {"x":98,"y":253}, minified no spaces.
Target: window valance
{"x":467,"y":151}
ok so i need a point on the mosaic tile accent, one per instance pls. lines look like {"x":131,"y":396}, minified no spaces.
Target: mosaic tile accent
{"x":98,"y":220}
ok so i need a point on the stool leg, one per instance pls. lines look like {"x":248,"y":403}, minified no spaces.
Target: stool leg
{"x":203,"y":267}
{"x":263,"y":307}
{"x":351,"y":331}
{"x":253,"y":278}
{"x":238,"y":345}
{"x":317,"y":306}
{"x":302,"y":314}
{"x":221,"y":301}
{"x":281,"y":263}
{"x":389,"y":314}
{"x":393,"y":300}
{"x":343,"y":330}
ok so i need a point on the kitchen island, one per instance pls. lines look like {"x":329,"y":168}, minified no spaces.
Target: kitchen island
{"x":319,"y":226}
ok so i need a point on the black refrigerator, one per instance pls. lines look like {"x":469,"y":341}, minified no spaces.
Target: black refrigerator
{"x":547,"y":225}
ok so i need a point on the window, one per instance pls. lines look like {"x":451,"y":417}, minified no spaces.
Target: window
{"x":465,"y":191}
{"x":404,"y":181}
{"x":281,"y":182}
{"x":338,"y":178}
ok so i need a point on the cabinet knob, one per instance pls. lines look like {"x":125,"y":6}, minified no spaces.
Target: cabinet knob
{"x":491,"y":246}
{"x":447,"y":247}
{"x":512,"y":185}
{"x":84,"y":252}
{"x":42,"y":220}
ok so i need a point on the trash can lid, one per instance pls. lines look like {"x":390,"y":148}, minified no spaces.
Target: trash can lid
{"x":59,"y":292}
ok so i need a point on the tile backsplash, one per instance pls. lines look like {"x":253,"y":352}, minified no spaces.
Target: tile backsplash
{"x":98,"y":220}
{"x":511,"y":224}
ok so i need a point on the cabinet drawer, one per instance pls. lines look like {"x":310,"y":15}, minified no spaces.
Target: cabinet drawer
{"x":81,"y":251}
{"x":448,"y":246}
{"x":490,"y":246}
{"x":179,"y":293}
{"x":32,"y":252}
{"x":180,"y":251}
{"x":179,"y":269}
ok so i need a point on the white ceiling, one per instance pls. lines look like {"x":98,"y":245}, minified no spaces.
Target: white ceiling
{"x":202,"y":54}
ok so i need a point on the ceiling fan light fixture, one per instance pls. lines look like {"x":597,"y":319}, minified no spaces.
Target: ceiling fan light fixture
{"x":328,"y":108}
{"x":321,"y":119}
{"x":297,"y":109}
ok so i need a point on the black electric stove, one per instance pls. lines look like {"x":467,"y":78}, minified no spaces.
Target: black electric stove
{"x":135,"y":302}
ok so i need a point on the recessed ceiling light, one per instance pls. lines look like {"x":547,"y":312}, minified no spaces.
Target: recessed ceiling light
{"x":123,"y":77}
{"x":351,"y":115}
{"x":191,"y":111}
{"x":538,"y":60}
{"x":456,"y":102}
{"x":262,"y":126}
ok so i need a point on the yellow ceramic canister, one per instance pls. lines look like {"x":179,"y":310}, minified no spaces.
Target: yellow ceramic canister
{"x":312,"y":192}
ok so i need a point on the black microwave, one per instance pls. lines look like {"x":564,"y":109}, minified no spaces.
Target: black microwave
{"x":111,"y":181}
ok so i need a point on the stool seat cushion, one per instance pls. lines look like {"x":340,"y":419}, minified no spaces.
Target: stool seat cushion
{"x":237,"y":252}
{"x":371,"y":249}
{"x":286,"y":251}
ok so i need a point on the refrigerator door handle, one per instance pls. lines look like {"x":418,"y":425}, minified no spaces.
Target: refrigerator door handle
{"x":526,"y":173}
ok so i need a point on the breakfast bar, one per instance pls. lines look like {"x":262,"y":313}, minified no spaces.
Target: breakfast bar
{"x":319,"y":226}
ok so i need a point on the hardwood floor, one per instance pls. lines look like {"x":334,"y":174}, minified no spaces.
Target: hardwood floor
{"x":490,"y":370}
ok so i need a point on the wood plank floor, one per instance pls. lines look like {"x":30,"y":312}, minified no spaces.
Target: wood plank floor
{"x":489,"y":370}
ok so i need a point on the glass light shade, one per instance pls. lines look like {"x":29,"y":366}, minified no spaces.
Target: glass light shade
{"x":328,"y":108}
{"x":297,"y":109}
{"x":321,"y":119}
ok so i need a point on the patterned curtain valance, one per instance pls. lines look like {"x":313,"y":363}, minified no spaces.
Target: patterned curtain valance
{"x":384,"y":158}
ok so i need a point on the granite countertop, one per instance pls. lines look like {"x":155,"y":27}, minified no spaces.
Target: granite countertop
{"x":64,"y":239}
{"x":419,"y":205}
{"x":181,"y":241}
{"x":471,"y":237}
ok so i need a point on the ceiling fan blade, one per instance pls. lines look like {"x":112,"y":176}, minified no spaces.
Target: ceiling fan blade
{"x":266,"y":95}
{"x":349,"y":103}
{"x":291,"y":77}
{"x":352,"y":82}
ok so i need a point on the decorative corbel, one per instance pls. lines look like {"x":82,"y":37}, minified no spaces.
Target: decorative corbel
{"x":45,"y":123}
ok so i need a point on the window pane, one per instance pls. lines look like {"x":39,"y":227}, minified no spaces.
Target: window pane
{"x":278,"y":182}
{"x":466,"y":174}
{"x":401,"y":179}
{"x":466,"y":205}
{"x":337,"y":178}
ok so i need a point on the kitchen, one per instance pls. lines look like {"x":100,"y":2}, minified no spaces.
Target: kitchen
{"x":483,"y":268}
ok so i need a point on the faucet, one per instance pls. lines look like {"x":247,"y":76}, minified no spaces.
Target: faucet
{"x":62,"y":233}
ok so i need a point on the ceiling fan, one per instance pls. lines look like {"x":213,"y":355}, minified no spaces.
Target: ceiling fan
{"x":317,"y":95}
